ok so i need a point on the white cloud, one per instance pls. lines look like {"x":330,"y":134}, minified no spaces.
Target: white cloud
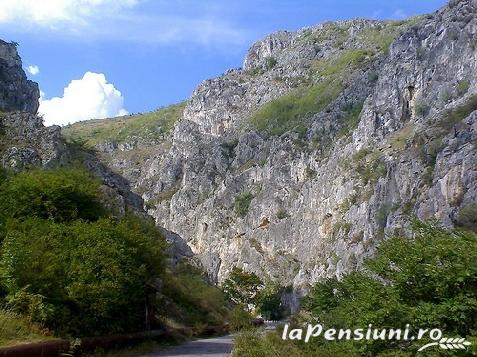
{"x":54,"y":12}
{"x":33,"y":70}
{"x":161,"y":23}
{"x":91,"y":97}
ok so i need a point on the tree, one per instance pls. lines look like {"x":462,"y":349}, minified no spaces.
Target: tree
{"x":242,"y":287}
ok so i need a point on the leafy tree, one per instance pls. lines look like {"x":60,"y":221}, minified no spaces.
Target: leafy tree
{"x":242,"y":287}
{"x":91,"y":276}
{"x":269,"y":301}
{"x":60,"y":195}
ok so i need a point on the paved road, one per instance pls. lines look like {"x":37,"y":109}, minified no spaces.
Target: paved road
{"x":212,"y":347}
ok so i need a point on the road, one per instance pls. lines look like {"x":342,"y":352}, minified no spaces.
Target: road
{"x":211,"y":347}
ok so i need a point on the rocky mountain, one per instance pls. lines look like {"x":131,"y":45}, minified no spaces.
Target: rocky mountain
{"x":328,"y":140}
{"x":16,"y":92}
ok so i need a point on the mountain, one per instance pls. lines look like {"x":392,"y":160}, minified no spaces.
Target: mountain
{"x":327,"y":141}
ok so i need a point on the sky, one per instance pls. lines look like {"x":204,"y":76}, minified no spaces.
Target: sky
{"x":105,"y":58}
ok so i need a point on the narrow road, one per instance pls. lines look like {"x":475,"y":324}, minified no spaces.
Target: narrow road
{"x":211,"y":347}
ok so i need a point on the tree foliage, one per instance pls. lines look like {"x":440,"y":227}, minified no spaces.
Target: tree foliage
{"x":64,"y":264}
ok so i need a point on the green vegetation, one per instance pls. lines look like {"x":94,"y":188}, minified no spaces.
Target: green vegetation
{"x":242,"y":287}
{"x":429,"y":281}
{"x":67,"y":265}
{"x":346,"y":62}
{"x":282,"y":214}
{"x":467,"y":218}
{"x":270,"y":62}
{"x":422,"y":108}
{"x":351,"y":117}
{"x":290,"y":112}
{"x":15,"y":328}
{"x":251,"y":294}
{"x":188,"y":301}
{"x":310,"y":174}
{"x":149,"y":126}
{"x":242,"y":203}
{"x":370,"y":166}
{"x":381,"y":37}
{"x":456,"y":115}
{"x":463,"y":87}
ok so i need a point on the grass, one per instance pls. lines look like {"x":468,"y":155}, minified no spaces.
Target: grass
{"x":456,"y":115}
{"x":351,"y":118}
{"x":242,"y":204}
{"x":402,"y":138}
{"x":290,"y":112}
{"x":15,"y":329}
{"x":149,"y":126}
{"x":463,"y":87}
{"x":382,"y":37}
{"x":342,"y":65}
{"x":190,"y":302}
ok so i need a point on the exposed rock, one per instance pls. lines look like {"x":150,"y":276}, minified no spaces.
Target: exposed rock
{"x":318,"y":200}
{"x":16,"y":92}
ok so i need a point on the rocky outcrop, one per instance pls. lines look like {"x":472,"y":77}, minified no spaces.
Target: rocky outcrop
{"x":16,"y":92}
{"x":381,"y":127}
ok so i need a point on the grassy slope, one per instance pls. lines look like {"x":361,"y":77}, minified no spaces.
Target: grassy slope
{"x":149,"y":126}
{"x":292,"y":111}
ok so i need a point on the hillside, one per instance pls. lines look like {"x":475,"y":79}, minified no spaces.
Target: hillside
{"x":327,"y":141}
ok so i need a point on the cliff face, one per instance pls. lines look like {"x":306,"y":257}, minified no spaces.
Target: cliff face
{"x":327,"y":141}
{"x":16,"y":92}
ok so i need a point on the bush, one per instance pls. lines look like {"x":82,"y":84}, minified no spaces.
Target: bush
{"x":456,"y":115}
{"x":242,"y":204}
{"x":422,"y":109}
{"x":463,"y":87}
{"x":290,"y":112}
{"x":467,"y":218}
{"x":60,"y":195}
{"x":428,"y":282}
{"x":240,"y":319}
{"x":188,"y":299}
{"x":91,"y":274}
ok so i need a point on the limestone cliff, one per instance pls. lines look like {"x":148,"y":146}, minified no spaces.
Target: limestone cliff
{"x":16,"y":92}
{"x":328,"y":140}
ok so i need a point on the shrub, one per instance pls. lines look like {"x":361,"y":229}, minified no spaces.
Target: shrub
{"x":422,"y":109}
{"x":187,"y":298}
{"x":282,"y":214}
{"x":60,"y":195}
{"x":91,"y":274}
{"x":463,"y":87}
{"x":310,"y":174}
{"x":270,"y":62}
{"x":467,"y":218}
{"x":456,"y":115}
{"x":351,"y":117}
{"x":240,"y":319}
{"x":426,"y":281}
{"x":149,"y":126}
{"x":242,"y":203}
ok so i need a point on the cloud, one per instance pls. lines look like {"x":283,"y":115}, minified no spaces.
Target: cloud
{"x":54,"y":12}
{"x":33,"y":70}
{"x":91,"y":97}
{"x":157,"y":22}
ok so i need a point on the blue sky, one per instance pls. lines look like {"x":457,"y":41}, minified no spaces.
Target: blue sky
{"x":155,"y":52}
